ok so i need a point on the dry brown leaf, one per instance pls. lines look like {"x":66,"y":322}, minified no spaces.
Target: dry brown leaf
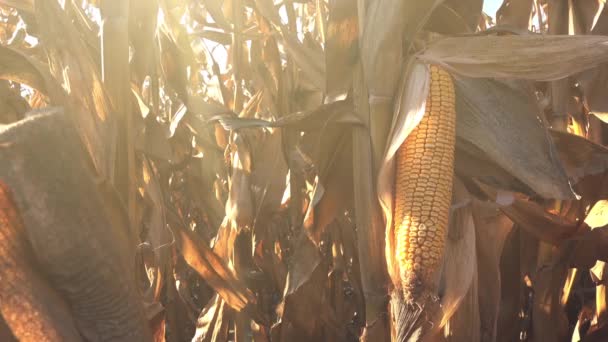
{"x":341,"y":46}
{"x":19,"y":67}
{"x":158,"y":235}
{"x":580,"y":157}
{"x":515,"y":13}
{"x":212,"y":325}
{"x":214,"y":270}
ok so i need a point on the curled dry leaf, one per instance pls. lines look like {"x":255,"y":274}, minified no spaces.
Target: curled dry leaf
{"x":214,"y":270}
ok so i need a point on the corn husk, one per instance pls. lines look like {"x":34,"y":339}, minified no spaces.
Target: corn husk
{"x":528,"y":57}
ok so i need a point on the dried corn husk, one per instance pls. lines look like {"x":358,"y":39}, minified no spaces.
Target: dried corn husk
{"x":529,"y":57}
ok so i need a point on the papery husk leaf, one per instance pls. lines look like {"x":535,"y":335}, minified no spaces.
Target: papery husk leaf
{"x":465,"y":324}
{"x":527,"y":57}
{"x":492,"y":229}
{"x":460,"y":262}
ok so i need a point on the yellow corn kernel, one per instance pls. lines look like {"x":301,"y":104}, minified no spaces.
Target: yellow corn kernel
{"x":423,"y":189}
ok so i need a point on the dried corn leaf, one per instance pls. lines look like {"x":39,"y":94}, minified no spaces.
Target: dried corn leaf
{"x":239,"y":206}
{"x":502,"y":120}
{"x":546,"y":226}
{"x":515,"y":13}
{"x":143,"y":17}
{"x":214,"y":270}
{"x":215,"y":10}
{"x":593,"y":82}
{"x":580,"y":157}
{"x":528,"y":57}
{"x":16,"y":66}
{"x":587,"y":248}
{"x":471,"y":162}
{"x":311,"y":61}
{"x":387,"y":22}
{"x":455,"y":16}
{"x":341,"y":46}
{"x":492,"y":229}
{"x":79,"y":75}
{"x":158,"y":234}
{"x":268,"y":173}
{"x":212,"y":325}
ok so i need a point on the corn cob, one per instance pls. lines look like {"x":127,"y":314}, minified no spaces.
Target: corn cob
{"x":423,"y":190}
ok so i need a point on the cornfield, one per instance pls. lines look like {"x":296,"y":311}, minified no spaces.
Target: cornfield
{"x":303,"y":170}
